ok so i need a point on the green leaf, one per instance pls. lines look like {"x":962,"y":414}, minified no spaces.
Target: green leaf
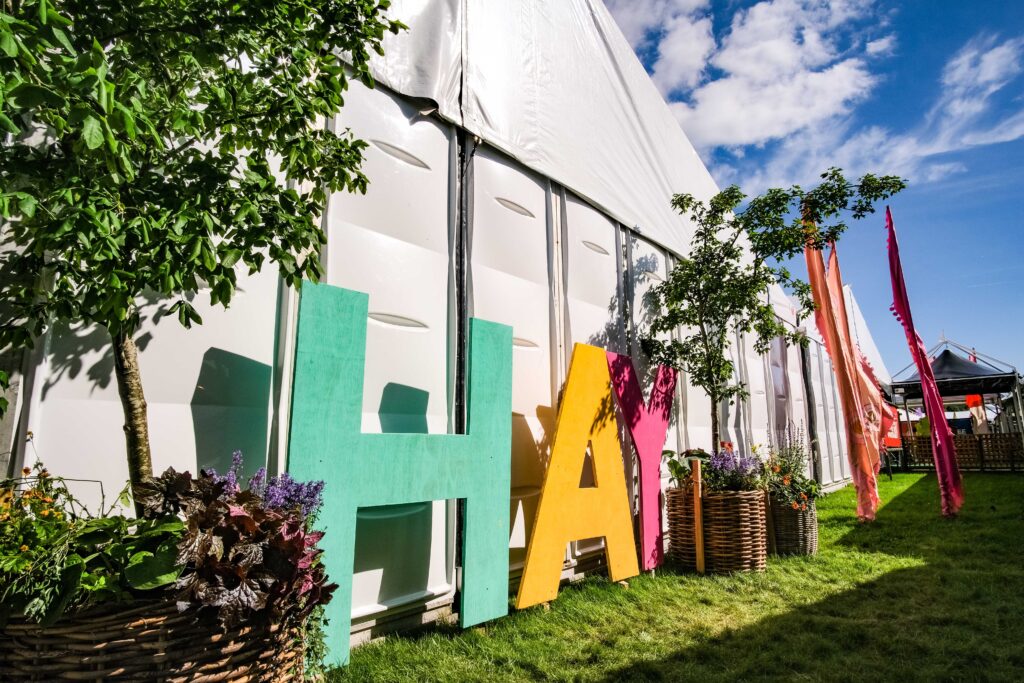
{"x":8,"y":125}
{"x":30,"y":96}
{"x":209,"y":260}
{"x":231,"y":257}
{"x":92,"y":132}
{"x":146,"y":570}
{"x":70,"y":579}
{"x":62,"y":37}
{"x":126,"y":120}
{"x":8,"y":44}
{"x":27,"y":204}
{"x":166,"y":525}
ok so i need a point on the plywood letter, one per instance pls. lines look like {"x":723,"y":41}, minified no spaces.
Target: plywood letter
{"x":567,"y":512}
{"x":364,"y":470}
{"x":648,"y":425}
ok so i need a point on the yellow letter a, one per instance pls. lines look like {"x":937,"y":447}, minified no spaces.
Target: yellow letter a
{"x":567,"y":512}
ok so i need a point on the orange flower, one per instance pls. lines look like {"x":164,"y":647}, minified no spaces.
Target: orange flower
{"x":804,"y":496}
{"x":785,"y":480}
{"x":776,"y":469}
{"x":45,"y":512}
{"x":26,"y":471}
{"x":44,"y":474}
{"x":804,"y":506}
{"x":796,"y":506}
{"x":23,"y":548}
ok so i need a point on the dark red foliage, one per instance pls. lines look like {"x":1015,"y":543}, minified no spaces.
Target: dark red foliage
{"x":241,"y":558}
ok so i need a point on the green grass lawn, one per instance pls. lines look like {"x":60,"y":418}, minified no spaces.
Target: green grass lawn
{"x":910,"y":597}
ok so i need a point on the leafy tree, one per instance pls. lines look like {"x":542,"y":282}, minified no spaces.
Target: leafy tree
{"x":735,"y":256}
{"x":159,"y":147}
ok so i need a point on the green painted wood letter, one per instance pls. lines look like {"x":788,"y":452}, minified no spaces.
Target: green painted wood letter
{"x":365,"y":470}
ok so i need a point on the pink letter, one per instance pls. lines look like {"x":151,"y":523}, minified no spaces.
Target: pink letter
{"x":648,"y":425}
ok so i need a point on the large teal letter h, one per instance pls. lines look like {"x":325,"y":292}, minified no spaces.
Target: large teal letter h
{"x":364,"y":470}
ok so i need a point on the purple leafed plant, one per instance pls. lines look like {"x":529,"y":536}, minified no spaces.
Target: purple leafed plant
{"x":246,"y":552}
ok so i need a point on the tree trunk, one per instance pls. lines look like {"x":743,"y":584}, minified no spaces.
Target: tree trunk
{"x":133,"y":401}
{"x":715,"y":440}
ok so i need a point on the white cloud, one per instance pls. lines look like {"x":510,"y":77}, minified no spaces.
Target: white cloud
{"x":730,"y":112}
{"x":784,"y":68}
{"x":959,"y":118}
{"x":683,"y":53}
{"x":787,"y":75}
{"x":881,"y":46}
{"x":982,"y":65}
{"x":639,"y":18}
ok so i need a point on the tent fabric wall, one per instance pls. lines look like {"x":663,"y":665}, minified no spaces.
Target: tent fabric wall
{"x":511,"y":272}
{"x":568,"y":227}
{"x":556,"y":86}
{"x":209,"y":392}
{"x":393,"y":243}
{"x":865,"y":342}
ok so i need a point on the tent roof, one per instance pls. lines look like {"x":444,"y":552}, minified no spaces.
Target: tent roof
{"x":862,"y":337}
{"x":558,"y":87}
{"x":957,"y":376}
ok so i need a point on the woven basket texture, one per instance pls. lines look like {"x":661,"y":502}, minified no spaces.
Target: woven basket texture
{"x":796,"y":531}
{"x":148,"y":641}
{"x":735,"y":530}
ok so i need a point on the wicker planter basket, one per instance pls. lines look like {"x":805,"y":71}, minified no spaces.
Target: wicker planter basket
{"x":735,"y":530}
{"x":796,"y":531}
{"x":147,"y":641}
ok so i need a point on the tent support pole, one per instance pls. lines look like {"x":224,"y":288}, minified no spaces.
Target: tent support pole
{"x":1020,"y":424}
{"x":911,"y":435}
{"x":903,"y":444}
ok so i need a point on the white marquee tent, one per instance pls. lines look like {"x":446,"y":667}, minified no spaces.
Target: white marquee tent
{"x":521,"y":164}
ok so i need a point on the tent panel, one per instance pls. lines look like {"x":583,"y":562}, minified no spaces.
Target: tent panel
{"x":510,"y":284}
{"x":757,"y":404}
{"x":393,"y":243}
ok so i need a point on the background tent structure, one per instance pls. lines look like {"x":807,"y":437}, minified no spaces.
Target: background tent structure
{"x":865,"y":342}
{"x":958,"y":376}
{"x":521,"y":164}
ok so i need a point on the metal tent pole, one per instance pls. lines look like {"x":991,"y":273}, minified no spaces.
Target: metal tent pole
{"x":1020,"y":424}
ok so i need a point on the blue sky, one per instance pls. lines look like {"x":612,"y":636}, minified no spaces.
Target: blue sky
{"x":774,"y":92}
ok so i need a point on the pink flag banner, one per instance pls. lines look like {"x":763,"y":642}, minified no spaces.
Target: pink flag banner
{"x":951,"y":487}
{"x":860,"y":396}
{"x":648,"y":425}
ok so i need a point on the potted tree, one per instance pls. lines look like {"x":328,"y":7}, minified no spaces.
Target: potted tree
{"x":739,"y":250}
{"x":157,"y":150}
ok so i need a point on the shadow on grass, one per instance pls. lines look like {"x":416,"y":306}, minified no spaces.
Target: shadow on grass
{"x":959,"y":616}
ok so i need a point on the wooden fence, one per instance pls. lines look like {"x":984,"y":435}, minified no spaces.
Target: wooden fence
{"x":985,"y":452}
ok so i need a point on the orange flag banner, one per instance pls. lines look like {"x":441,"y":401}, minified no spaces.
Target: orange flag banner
{"x":860,"y":395}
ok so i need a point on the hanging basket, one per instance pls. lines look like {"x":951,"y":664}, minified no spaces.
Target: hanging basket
{"x":148,"y":641}
{"x":735,"y":530}
{"x":796,"y":531}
